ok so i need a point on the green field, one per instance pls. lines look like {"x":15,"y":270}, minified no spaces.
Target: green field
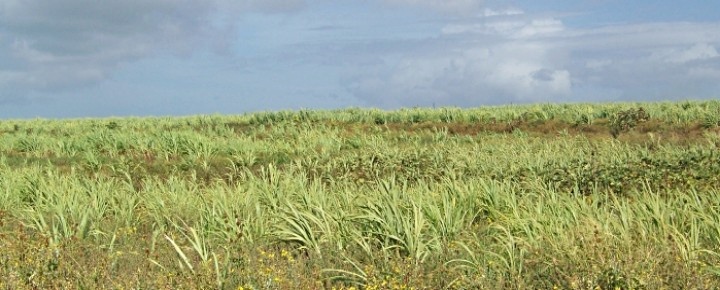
{"x":579,"y":196}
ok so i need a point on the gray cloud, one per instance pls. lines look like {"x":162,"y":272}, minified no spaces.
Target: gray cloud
{"x":459,"y":7}
{"x":53,"y":45}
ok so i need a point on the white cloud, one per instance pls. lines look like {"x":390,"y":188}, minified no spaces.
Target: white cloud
{"x":513,"y":26}
{"x":528,"y":82}
{"x":699,"y":51}
{"x":497,"y":59}
{"x":540,"y":27}
{"x":646,"y":61}
{"x":509,"y":72}
{"x":517,"y":57}
{"x":596,"y":64}
{"x":504,"y":28}
{"x":463,"y":28}
{"x":505,"y":12}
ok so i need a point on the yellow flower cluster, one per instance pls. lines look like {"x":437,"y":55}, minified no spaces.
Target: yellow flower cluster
{"x":286,"y":254}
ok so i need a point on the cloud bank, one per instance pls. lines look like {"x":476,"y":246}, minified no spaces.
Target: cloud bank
{"x":508,"y":56}
{"x":381,"y":53}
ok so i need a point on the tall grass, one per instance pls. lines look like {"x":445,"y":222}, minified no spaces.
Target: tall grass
{"x":415,"y":198}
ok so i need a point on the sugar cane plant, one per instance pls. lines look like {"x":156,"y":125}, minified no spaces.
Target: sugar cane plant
{"x":543,"y":196}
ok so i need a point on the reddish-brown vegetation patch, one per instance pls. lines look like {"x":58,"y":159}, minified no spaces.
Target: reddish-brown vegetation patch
{"x":661,"y":132}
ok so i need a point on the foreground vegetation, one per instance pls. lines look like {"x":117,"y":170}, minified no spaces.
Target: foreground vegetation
{"x":606,"y":196}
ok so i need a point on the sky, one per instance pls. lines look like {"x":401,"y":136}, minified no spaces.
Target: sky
{"x":86,"y":58}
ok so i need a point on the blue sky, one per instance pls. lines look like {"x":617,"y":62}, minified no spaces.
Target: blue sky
{"x":81,"y":58}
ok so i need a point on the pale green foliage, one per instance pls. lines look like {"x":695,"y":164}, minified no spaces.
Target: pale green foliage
{"x":493,"y":207}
